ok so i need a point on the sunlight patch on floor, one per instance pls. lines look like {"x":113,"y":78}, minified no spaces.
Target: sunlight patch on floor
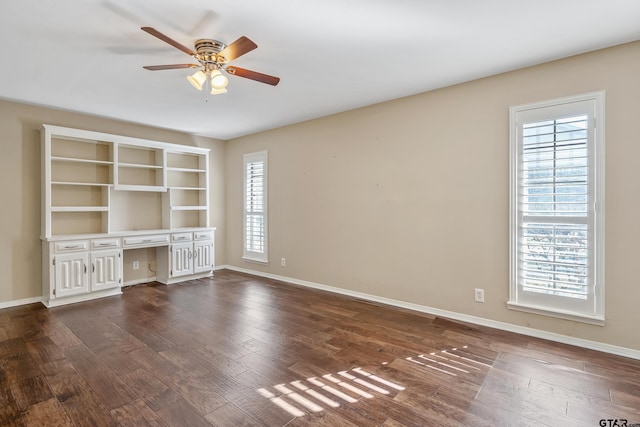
{"x":312,"y":395}
{"x":452,"y":362}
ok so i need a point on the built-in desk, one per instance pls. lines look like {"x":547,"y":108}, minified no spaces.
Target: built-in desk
{"x":103,"y":194}
{"x":83,"y":267}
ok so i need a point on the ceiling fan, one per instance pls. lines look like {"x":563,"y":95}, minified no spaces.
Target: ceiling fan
{"x":212,"y":56}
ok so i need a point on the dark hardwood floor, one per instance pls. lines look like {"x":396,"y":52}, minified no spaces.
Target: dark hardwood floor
{"x":237,"y":350}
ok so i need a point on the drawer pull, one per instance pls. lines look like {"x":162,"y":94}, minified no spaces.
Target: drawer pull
{"x":72,"y":246}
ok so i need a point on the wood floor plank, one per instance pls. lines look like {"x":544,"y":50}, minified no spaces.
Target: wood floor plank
{"x":198,"y":393}
{"x":230,"y":415}
{"x":180,"y":413}
{"x":101,"y":376}
{"x":84,"y":408}
{"x":31,"y":391}
{"x":136,"y":414}
{"x":44,"y":350}
{"x":46,"y":413}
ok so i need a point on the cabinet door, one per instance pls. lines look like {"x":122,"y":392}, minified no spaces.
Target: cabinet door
{"x":105,"y":269}
{"x":71,"y":274}
{"x":203,"y":256}
{"x":181,"y":259}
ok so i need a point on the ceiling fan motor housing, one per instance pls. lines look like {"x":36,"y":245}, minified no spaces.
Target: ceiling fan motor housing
{"x":208,"y":51}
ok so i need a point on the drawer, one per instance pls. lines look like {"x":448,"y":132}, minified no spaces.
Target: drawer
{"x":181,"y":237}
{"x":76,"y":245}
{"x":203,"y":235}
{"x":151,"y":240}
{"x":105,"y":243}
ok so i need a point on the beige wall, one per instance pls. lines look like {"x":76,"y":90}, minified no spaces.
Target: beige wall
{"x":409,"y":199}
{"x":20,"y":186}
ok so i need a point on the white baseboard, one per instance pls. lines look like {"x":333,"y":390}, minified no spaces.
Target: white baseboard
{"x":139,"y":281}
{"x":24,"y":301}
{"x":551,"y":336}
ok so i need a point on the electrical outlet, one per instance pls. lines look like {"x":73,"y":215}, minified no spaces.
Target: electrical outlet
{"x":136,"y":265}
{"x":479,"y":293}
{"x":283,"y":262}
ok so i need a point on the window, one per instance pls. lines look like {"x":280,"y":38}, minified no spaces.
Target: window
{"x":557,"y":208}
{"x":255,"y":207}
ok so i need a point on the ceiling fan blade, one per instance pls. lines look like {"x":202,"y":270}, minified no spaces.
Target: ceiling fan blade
{"x":236,"y":49}
{"x":168,"y":40}
{"x":253,"y":75}
{"x":169,"y":67}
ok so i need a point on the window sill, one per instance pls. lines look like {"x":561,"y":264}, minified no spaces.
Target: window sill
{"x":255,"y":261}
{"x":566,"y":315}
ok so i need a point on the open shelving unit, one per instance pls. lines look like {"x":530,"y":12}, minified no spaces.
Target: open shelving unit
{"x":187,"y":198}
{"x":79,"y":172}
{"x":140,"y":168}
{"x":91,"y":177}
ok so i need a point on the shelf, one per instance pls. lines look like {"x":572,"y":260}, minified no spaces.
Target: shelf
{"x":77,"y":160}
{"x":79,"y":222}
{"x":79,"y":209}
{"x":188,"y":218}
{"x":189,"y":178}
{"x":139,"y":177}
{"x":65,"y":148}
{"x":187,"y":188}
{"x":135,"y":187}
{"x":186,"y":161}
{"x":138,"y":166}
{"x":188,"y":208}
{"x":186,"y":170}
{"x":88,"y":184}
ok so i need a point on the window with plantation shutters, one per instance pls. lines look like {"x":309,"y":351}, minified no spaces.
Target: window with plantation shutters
{"x":255,"y":207}
{"x":557,"y":205}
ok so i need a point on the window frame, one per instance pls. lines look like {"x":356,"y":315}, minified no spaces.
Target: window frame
{"x":247,"y":255}
{"x":593,"y":309}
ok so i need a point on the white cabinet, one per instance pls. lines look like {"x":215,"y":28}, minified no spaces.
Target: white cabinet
{"x":203,"y":258}
{"x":71,"y":274}
{"x":105,"y":269}
{"x":77,"y":270}
{"x":181,"y":259}
{"x":190,"y":255}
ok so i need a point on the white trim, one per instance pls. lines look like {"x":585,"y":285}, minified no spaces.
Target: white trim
{"x":523,"y":330}
{"x":139,"y":281}
{"x":19,"y":302}
{"x":255,"y":261}
{"x":567,"y":315}
{"x":82,"y":297}
{"x":259,"y":156}
{"x":592,"y":310}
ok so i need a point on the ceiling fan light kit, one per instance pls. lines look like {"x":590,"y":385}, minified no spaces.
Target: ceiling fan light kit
{"x":197,"y":79}
{"x":212,"y":56}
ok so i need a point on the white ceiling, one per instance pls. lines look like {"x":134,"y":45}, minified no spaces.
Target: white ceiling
{"x":331,"y":55}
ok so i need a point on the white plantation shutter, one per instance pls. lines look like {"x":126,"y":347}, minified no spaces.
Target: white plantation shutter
{"x":557,"y":195}
{"x":255,"y":207}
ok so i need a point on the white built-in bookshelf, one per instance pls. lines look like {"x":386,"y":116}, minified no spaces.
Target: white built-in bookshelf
{"x":104,"y":193}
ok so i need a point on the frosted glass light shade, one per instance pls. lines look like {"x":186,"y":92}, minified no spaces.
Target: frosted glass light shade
{"x":218,"y":80}
{"x":197,"y":79}
{"x":215,"y":91}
